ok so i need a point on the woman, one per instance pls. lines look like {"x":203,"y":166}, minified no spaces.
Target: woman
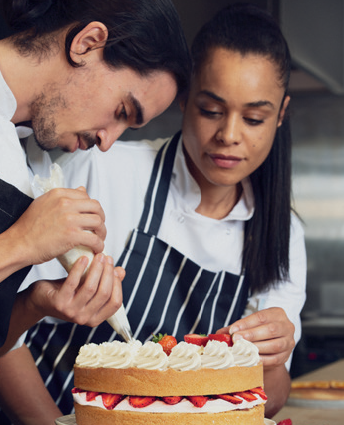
{"x":215,"y":245}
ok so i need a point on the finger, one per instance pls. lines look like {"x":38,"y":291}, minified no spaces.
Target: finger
{"x":74,"y":277}
{"x":87,"y":287}
{"x":120,"y":273}
{"x":107,"y":300}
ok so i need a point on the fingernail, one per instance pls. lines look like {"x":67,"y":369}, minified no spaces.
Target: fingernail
{"x":115,"y":273}
{"x":236,"y":337}
{"x":101,"y":258}
{"x":233,"y":329}
{"x":109,"y":260}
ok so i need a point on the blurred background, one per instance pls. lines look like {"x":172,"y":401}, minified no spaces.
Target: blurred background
{"x":314,"y":30}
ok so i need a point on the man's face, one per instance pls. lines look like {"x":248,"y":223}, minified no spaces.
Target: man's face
{"x":95,"y":106}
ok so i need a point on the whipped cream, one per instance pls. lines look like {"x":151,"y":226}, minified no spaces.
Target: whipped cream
{"x":217,"y":355}
{"x":184,"y":356}
{"x":245,"y":353}
{"x":185,"y":406}
{"x":151,"y":356}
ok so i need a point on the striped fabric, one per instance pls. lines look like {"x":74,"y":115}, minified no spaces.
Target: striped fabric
{"x":163,"y":291}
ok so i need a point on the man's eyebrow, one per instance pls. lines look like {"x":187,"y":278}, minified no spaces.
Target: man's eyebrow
{"x":138,"y":109}
{"x":257,"y":104}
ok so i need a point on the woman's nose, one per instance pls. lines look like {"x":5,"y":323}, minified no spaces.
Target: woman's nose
{"x":230,"y":130}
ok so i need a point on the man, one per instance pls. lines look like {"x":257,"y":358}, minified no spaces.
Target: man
{"x":78,"y":73}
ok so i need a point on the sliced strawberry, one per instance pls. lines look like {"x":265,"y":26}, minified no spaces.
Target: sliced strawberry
{"x":77,"y":390}
{"x":111,"y":400}
{"x":166,"y":341}
{"x":140,"y":401}
{"x":172,"y":399}
{"x":246,"y":395}
{"x":222,"y":338}
{"x":198,"y":400}
{"x":260,"y":392}
{"x":91,"y":395}
{"x":285,"y":422}
{"x":230,"y":398}
{"x":196,"y":339}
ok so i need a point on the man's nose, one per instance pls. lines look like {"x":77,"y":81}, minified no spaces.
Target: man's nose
{"x":107,"y":137}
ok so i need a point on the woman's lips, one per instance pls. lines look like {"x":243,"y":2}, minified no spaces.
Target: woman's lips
{"x":225,"y":161}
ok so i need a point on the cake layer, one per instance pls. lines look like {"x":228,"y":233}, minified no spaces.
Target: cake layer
{"x":170,"y":382}
{"x":94,"y":415}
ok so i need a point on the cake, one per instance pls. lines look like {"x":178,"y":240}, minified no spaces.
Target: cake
{"x":139,"y":384}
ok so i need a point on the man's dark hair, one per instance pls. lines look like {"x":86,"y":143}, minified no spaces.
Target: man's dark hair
{"x":145,"y":35}
{"x":247,"y":29}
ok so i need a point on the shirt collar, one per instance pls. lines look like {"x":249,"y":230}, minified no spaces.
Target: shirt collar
{"x":8,"y":104}
{"x":190,"y":192}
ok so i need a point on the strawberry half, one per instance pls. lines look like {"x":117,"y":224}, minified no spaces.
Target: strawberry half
{"x":246,"y":395}
{"x":91,"y":395}
{"x":198,"y":400}
{"x":222,"y":338}
{"x":140,"y":401}
{"x":260,"y":392}
{"x":230,"y":398}
{"x":285,"y":422}
{"x":111,"y":400}
{"x":166,"y":341}
{"x":196,"y":339}
{"x":172,"y":400}
{"x":76,"y":390}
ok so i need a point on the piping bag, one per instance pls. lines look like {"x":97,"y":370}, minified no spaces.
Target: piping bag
{"x":118,"y":321}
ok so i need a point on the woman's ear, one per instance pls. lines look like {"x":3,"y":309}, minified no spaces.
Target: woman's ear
{"x":92,"y":37}
{"x":283,"y":110}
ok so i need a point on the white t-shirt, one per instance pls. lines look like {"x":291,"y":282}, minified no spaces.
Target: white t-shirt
{"x":119,"y":179}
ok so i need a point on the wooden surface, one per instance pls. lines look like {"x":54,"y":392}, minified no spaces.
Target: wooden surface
{"x":319,"y":415}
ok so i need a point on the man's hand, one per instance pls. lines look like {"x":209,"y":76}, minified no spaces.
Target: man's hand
{"x":56,"y":222}
{"x":270,"y":330}
{"x":85,"y":301}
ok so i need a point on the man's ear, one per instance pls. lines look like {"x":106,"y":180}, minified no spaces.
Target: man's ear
{"x":283,"y":110}
{"x":90,"y":38}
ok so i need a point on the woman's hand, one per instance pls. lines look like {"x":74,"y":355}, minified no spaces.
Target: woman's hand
{"x":85,"y":301}
{"x":270,"y":330}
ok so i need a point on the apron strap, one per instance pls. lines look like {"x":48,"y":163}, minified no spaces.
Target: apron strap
{"x":13,"y":203}
{"x":158,"y":187}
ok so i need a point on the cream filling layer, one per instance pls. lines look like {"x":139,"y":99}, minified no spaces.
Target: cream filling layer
{"x":185,"y":406}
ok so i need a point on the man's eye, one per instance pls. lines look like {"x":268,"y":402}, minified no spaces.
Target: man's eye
{"x":123,"y":113}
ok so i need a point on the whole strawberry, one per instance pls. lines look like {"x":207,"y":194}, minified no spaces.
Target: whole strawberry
{"x":166,"y":341}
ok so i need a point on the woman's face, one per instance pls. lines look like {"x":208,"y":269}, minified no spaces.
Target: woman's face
{"x":231,"y":117}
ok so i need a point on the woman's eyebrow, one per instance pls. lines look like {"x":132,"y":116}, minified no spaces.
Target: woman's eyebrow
{"x":257,"y":104}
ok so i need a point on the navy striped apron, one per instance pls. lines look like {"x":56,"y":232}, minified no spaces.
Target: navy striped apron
{"x":13,"y":203}
{"x":163,"y":291}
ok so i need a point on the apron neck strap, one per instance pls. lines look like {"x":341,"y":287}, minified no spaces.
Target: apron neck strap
{"x":158,"y":187}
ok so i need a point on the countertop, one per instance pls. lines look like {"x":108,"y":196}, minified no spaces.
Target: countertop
{"x":317,"y":415}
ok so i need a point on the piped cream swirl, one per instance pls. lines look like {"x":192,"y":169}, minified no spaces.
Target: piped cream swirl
{"x":245,"y":353}
{"x":89,"y":355}
{"x":217,"y":355}
{"x":185,"y":356}
{"x":151,"y":356}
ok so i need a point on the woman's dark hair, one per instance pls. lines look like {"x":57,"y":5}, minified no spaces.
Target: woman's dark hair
{"x":143,"y":35}
{"x":247,"y":29}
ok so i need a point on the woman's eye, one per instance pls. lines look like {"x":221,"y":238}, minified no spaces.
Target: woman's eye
{"x":208,"y":113}
{"x":253,"y":121}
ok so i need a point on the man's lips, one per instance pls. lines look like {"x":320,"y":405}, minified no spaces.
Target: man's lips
{"x":225,"y":161}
